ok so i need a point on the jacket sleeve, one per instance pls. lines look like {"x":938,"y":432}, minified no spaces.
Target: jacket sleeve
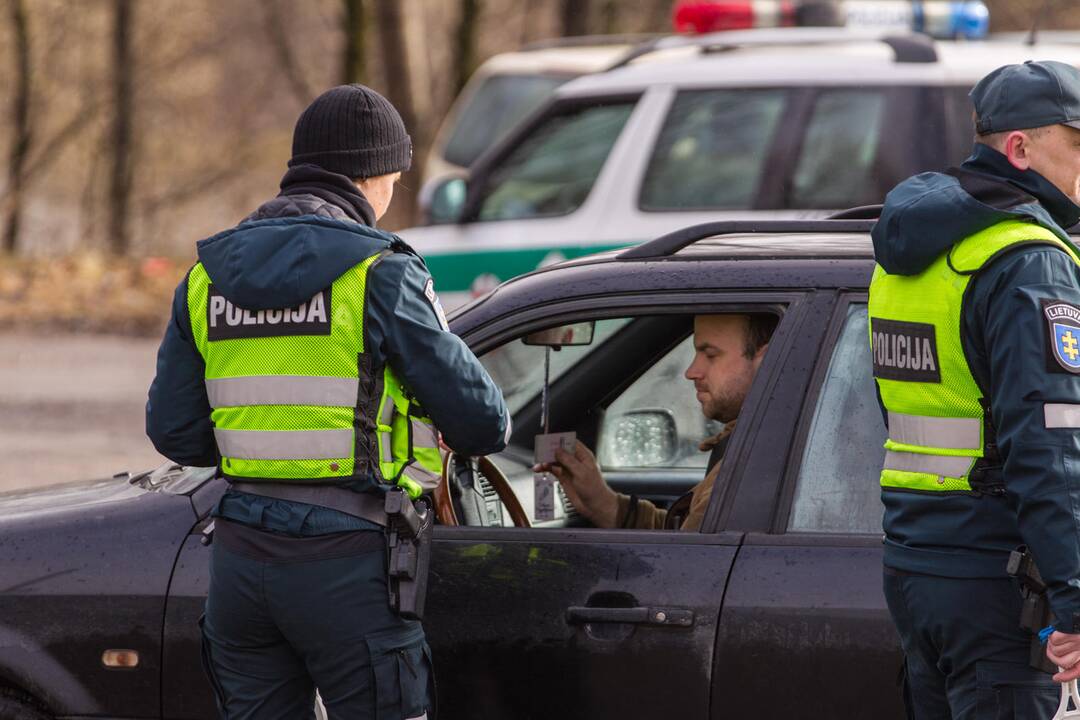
{"x":436,"y":365}
{"x":1007,"y":323}
{"x":177,"y":409}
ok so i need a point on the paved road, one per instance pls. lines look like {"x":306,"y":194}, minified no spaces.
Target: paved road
{"x":71,"y":407}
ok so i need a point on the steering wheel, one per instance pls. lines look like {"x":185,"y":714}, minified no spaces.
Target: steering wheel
{"x":460,"y":482}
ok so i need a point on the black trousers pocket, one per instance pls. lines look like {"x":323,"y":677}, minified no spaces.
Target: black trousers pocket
{"x":401,"y":665}
{"x":208,"y":668}
{"x":1010,"y":692}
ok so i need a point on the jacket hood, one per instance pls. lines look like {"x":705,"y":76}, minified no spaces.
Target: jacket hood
{"x":929,"y":213}
{"x":282,"y":262}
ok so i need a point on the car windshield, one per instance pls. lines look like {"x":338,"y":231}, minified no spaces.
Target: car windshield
{"x":553,"y":169}
{"x":496,"y":106}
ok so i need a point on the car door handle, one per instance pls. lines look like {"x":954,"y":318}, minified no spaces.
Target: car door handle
{"x":632,"y":615}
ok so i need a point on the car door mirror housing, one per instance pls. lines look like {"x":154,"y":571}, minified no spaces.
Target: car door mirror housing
{"x":442,"y":199}
{"x":574,"y":334}
{"x":641,"y":438}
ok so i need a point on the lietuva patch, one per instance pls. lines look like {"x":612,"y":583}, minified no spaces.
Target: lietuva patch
{"x":225,"y":321}
{"x":905,"y":351}
{"x":1063,"y":337}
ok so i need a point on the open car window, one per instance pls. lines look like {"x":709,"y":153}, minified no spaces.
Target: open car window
{"x":624,"y":395}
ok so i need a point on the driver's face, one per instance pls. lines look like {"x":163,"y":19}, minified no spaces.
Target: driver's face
{"x":721,"y":371}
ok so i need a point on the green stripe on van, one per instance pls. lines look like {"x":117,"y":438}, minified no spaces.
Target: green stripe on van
{"x":456,"y":272}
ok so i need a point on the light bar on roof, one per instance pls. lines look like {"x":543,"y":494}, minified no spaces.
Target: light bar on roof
{"x":968,"y":19}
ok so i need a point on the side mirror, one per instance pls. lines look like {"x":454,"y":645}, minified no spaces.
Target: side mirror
{"x":442,"y":199}
{"x":556,"y":337}
{"x":641,"y":438}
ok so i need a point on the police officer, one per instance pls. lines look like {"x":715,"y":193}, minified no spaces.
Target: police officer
{"x":975,"y":324}
{"x":308,"y":357}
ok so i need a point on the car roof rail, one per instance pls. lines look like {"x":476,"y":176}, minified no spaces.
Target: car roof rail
{"x":907,"y":48}
{"x":668,"y":245}
{"x":862,"y":212}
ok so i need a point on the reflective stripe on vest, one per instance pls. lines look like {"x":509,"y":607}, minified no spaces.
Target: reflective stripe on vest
{"x":282,"y":390}
{"x":285,"y":445}
{"x":935,"y":406}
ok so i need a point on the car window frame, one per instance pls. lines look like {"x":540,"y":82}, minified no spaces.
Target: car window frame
{"x":480,"y":172}
{"x":798,"y":304}
{"x":797,"y":450}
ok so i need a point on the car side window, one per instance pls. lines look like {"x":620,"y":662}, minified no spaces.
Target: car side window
{"x":837,"y":165}
{"x":552,"y":170}
{"x":712,"y":150}
{"x":632,"y":435}
{"x":837,"y":490}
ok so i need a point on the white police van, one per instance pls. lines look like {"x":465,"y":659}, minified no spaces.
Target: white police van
{"x":777,"y":123}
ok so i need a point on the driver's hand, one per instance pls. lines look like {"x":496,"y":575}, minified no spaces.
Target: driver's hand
{"x":579,"y":474}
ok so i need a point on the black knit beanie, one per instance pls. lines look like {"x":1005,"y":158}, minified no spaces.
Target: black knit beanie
{"x":354,"y":131}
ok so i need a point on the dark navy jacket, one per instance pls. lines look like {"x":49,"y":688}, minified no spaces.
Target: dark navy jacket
{"x":1009,"y":349}
{"x":289,"y":249}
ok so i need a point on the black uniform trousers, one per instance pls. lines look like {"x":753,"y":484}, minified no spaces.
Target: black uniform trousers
{"x":286,"y":615}
{"x":966,"y":656}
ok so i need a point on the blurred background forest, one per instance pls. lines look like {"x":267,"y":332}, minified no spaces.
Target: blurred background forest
{"x":135,"y":127}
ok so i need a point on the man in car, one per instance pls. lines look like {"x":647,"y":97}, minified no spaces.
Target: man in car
{"x":975,"y":320}
{"x":728,"y":350}
{"x":308,"y":358}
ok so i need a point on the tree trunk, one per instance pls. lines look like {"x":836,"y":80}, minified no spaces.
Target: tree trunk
{"x":465,"y":43}
{"x":20,"y":147}
{"x":278,"y":35}
{"x":123,"y":149}
{"x":355,"y":26}
{"x":609,"y":14}
{"x":575,"y":17}
{"x":389,"y":23}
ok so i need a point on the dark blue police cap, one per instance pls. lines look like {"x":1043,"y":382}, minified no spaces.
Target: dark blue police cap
{"x":1019,"y":97}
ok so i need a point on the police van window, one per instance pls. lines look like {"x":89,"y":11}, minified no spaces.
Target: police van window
{"x":958,"y":118}
{"x":712,"y":149}
{"x":551,"y":171}
{"x":837,"y":166}
{"x":496,"y":106}
{"x":837,"y":490}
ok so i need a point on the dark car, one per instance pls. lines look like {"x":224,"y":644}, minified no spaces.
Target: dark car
{"x":774,"y":609}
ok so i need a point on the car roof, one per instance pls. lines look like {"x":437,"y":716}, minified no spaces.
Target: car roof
{"x":554,"y":60}
{"x":740,"y":261}
{"x":809,"y":56}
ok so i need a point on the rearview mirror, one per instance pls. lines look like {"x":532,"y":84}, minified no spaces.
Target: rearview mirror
{"x":640,"y":438}
{"x":556,"y":337}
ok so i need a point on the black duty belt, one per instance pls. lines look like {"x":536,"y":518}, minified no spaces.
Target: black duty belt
{"x":367,"y":506}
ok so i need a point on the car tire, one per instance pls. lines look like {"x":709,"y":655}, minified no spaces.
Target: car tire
{"x":15,"y":705}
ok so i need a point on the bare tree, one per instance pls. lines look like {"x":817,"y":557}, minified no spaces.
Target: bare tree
{"x":355,"y":26}
{"x":465,"y":43}
{"x":278,"y":35}
{"x":20,"y":147}
{"x":389,"y":23}
{"x":123,"y":136}
{"x":574,"y":16}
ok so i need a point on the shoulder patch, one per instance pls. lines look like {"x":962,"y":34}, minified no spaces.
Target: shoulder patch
{"x":1063,"y":335}
{"x":436,"y":305}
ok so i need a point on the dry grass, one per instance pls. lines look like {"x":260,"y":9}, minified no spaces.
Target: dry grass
{"x":88,"y":293}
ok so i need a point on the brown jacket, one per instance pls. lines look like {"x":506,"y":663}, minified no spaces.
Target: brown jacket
{"x":650,"y":517}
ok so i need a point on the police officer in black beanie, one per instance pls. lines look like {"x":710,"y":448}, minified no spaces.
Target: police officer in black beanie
{"x":307,"y":356}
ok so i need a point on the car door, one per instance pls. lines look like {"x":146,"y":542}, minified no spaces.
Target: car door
{"x":578,"y":622}
{"x":805,"y":625}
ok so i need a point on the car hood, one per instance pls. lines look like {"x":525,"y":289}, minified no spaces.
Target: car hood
{"x":66,"y":497}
